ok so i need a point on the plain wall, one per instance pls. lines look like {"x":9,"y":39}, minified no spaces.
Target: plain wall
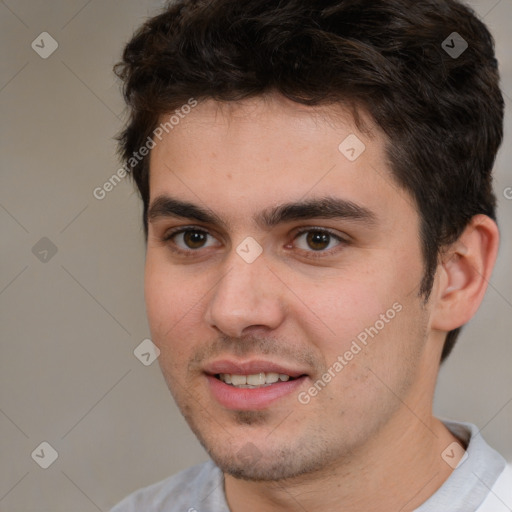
{"x":68,"y":375}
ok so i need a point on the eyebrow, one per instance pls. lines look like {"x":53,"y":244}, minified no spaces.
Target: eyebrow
{"x":324,"y":208}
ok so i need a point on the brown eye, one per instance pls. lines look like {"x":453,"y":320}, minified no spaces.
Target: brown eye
{"x":318,"y":240}
{"x":188,"y":240}
{"x":194,"y":239}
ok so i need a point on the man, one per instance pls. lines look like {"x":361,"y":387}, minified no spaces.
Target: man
{"x":320,"y":221}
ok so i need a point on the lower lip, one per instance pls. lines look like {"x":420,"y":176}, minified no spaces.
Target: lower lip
{"x":251,"y":398}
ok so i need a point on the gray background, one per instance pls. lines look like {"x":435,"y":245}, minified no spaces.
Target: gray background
{"x":70,"y":324}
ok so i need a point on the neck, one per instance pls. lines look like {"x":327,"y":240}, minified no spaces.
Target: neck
{"x":409,"y":470}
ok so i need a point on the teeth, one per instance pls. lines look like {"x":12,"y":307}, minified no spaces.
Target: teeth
{"x":271,"y":378}
{"x":255,"y":380}
{"x":238,"y":380}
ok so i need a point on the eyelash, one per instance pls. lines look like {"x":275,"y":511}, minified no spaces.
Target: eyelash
{"x":311,"y":254}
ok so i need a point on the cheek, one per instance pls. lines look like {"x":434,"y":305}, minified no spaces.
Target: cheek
{"x":175,"y":301}
{"x":338,"y":310}
{"x":156,"y":294}
{"x":367,"y":316}
{"x":168,"y":299}
{"x":164,"y":309}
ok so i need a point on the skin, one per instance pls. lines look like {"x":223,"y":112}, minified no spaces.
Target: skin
{"x":368,"y":439}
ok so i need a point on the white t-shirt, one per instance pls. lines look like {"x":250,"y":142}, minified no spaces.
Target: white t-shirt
{"x":482,"y":482}
{"x":499,"y":498}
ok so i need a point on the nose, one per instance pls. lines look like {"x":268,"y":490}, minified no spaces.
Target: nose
{"x":248,"y":295}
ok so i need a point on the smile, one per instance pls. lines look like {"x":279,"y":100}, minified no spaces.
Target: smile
{"x":256,"y":380}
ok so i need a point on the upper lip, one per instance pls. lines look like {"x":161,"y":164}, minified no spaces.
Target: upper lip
{"x":250,"y":368}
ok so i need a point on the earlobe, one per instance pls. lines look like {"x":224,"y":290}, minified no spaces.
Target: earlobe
{"x":464,"y":274}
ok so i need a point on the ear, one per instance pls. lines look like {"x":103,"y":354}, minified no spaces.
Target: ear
{"x":464,"y":273}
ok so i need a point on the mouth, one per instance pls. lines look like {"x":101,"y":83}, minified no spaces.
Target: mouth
{"x":252,"y":385}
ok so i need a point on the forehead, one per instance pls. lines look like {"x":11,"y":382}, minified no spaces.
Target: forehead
{"x":273,"y":112}
{"x":268,"y":151}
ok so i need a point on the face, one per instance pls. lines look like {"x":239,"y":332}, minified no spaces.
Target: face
{"x":282,"y":279}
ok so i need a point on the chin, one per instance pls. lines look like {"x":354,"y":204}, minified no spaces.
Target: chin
{"x":268,"y":465}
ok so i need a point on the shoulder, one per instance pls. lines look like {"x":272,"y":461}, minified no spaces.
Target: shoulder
{"x":499,"y":498}
{"x":178,"y":492}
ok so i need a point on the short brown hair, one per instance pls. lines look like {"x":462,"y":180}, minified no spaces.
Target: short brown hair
{"x":442,"y":113}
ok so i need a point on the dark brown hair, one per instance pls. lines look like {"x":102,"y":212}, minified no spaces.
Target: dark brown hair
{"x":442,"y":112}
